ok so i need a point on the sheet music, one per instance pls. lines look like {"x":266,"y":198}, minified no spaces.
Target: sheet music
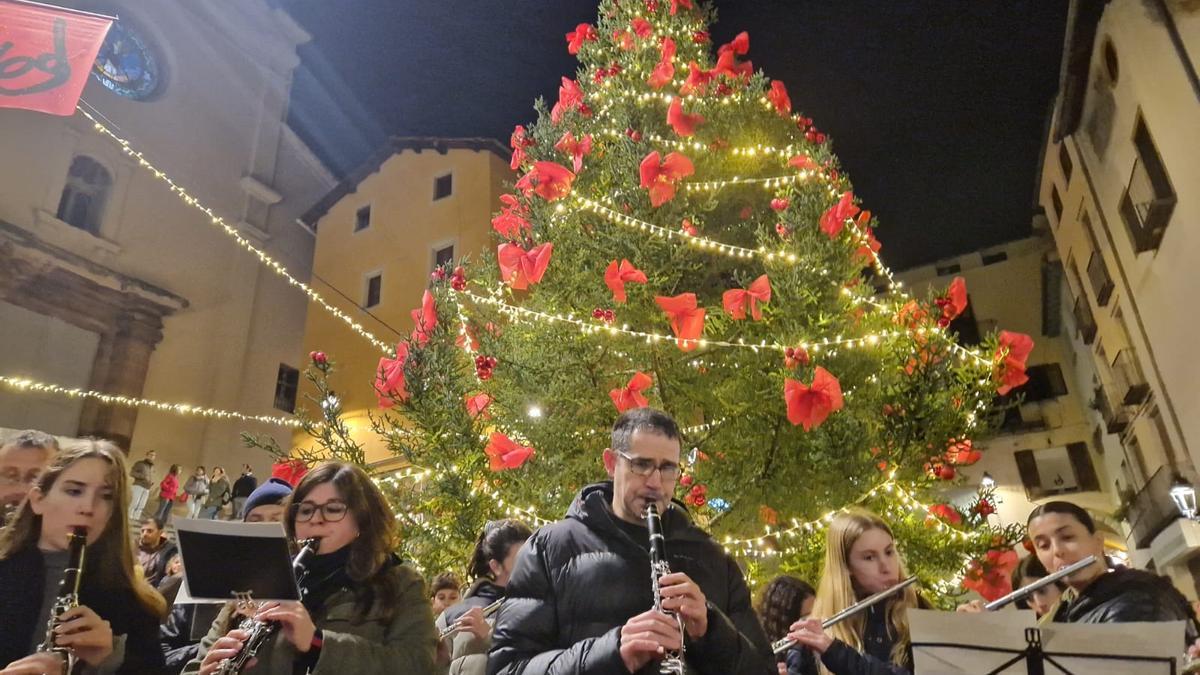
{"x":1004,"y":629}
{"x":221,"y":557}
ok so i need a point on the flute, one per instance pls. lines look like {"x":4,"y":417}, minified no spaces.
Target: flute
{"x":1040,"y":583}
{"x":780,"y":646}
{"x":455,"y":627}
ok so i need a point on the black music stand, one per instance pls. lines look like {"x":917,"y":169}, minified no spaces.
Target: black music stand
{"x":225,"y":560}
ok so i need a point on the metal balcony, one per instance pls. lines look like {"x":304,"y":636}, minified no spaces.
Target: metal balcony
{"x":1084,"y":321}
{"x":1128,"y":380}
{"x":1102,"y":284}
{"x":1146,"y":206}
{"x":1152,"y":508}
{"x":1116,"y":417}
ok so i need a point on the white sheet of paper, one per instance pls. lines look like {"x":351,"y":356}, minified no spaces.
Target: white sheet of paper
{"x":1000,"y":630}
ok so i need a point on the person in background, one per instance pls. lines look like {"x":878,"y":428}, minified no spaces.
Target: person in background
{"x":242,"y":488}
{"x":23,"y":457}
{"x":154,"y":551}
{"x":784,"y":601}
{"x":168,"y":490}
{"x":196,"y":488}
{"x":169,"y":585}
{"x":142,"y":474}
{"x":491,"y":566}
{"x":114,"y":629}
{"x":444,"y":592}
{"x":1042,"y":601}
{"x":218,"y":494}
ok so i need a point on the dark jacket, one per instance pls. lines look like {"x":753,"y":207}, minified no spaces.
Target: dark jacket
{"x":22,"y":578}
{"x":142,"y":473}
{"x":218,"y":492}
{"x":1124,"y":595}
{"x":842,"y":659}
{"x":244,"y":486}
{"x":578,"y":581}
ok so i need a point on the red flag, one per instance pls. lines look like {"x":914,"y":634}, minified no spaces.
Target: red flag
{"x":46,"y":54}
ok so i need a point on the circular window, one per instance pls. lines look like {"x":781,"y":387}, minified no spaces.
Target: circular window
{"x":126,"y":64}
{"x":1110,"y":61}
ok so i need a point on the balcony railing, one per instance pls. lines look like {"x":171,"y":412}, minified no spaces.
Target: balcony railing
{"x":1084,"y":320}
{"x":1146,"y":207}
{"x":1129,"y":382}
{"x":1152,"y":508}
{"x":1102,"y":284}
{"x":1116,"y":417}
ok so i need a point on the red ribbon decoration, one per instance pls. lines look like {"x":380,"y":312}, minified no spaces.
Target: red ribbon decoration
{"x":1012,"y":351}
{"x":735,"y":300}
{"x":687,"y":320}
{"x":575,"y":148}
{"x":630,"y":396}
{"x":659,"y":176}
{"x":778,"y":96}
{"x":389,"y":378}
{"x":520,"y":268}
{"x":512,"y":221}
{"x":683,"y":123}
{"x":505,"y":454}
{"x":616,"y":276}
{"x":583,"y":32}
{"x":811,"y":405}
{"x":547,"y":180}
{"x":834,"y":218}
{"x":477,"y":404}
{"x":424,"y":319}
{"x":664,"y":70}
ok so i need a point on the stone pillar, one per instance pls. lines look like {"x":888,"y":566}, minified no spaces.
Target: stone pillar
{"x":122,"y":361}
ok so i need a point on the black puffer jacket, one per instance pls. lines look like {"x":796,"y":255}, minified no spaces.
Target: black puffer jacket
{"x":579,"y":580}
{"x":1124,"y":595}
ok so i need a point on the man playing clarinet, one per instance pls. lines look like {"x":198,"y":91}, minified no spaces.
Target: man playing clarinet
{"x":580,"y":600}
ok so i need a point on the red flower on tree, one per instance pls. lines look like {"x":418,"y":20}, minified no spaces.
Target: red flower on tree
{"x":547,"y":180}
{"x":521,"y":269}
{"x":991,"y":577}
{"x":664,"y":71}
{"x":630,"y":396}
{"x":505,"y":454}
{"x":779,"y":98}
{"x":583,"y":32}
{"x":736,"y":300}
{"x":389,"y":378}
{"x":834,"y":218}
{"x":683,"y":123}
{"x":575,"y":148}
{"x":687,"y":320}
{"x":1012,"y":351}
{"x":616,"y":276}
{"x":512,"y":221}
{"x":659,"y":176}
{"x":570,"y":97}
{"x":424,"y":319}
{"x":810,"y":405}
{"x":477,"y":404}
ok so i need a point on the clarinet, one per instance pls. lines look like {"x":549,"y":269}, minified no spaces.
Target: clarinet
{"x":262,"y":631}
{"x":68,"y":596}
{"x":672,"y":662}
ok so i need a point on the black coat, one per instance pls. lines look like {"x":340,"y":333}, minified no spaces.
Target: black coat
{"x":577,"y":581}
{"x":1124,"y":595}
{"x":22,"y":580}
{"x":842,"y":659}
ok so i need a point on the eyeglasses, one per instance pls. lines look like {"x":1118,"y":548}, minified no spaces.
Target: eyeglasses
{"x":331,"y":512}
{"x":640,"y":466}
{"x":10,"y":480}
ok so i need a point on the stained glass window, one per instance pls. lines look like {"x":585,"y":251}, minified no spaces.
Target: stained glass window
{"x":126,"y":64}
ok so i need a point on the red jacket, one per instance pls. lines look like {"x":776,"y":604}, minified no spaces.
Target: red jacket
{"x":168,"y":488}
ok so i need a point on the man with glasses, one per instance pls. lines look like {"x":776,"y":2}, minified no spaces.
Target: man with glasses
{"x":579,"y":599}
{"x":23,"y":457}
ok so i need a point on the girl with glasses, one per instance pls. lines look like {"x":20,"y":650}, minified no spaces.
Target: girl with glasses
{"x":363,"y":611}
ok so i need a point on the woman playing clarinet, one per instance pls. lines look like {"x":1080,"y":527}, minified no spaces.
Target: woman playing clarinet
{"x":860,"y":560}
{"x":114,"y":628}
{"x":363,"y":612}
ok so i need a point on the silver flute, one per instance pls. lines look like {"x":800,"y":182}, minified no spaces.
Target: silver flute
{"x":68,"y":595}
{"x":1026,"y":591}
{"x":456,"y":626}
{"x":262,"y":631}
{"x":780,"y":646}
{"x":673,"y":660}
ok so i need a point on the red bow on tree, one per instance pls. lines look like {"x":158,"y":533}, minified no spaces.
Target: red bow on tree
{"x":676,"y":4}
{"x":641,"y":27}
{"x":946,"y":513}
{"x":727,"y":54}
{"x":664,"y":71}
{"x":505,"y":454}
{"x":548,"y":180}
{"x":810,"y":405}
{"x":512,"y":221}
{"x":867,"y":252}
{"x":697,"y":80}
{"x":389,"y":378}
{"x":834,"y":219}
{"x":583,"y":32}
{"x":687,"y":320}
{"x":570,"y":97}
{"x":779,"y":98}
{"x":954,"y":302}
{"x":424,"y":319}
{"x":520,"y":268}
{"x":576,"y":148}
{"x":659,"y":176}
{"x":1012,"y":351}
{"x":803,"y":163}
{"x":630,"y":396}
{"x":683,"y":123}
{"x":616,"y":276}
{"x":991,"y":577}
{"x":736,"y":299}
{"x":768,"y":515}
{"x":289,"y":470}
{"x":477,"y":404}
{"x":961,"y":453}
{"x":519,"y":142}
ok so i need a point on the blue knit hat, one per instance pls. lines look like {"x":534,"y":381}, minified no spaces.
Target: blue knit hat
{"x":274,"y":491}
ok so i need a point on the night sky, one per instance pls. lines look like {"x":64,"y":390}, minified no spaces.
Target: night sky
{"x":936,"y":107}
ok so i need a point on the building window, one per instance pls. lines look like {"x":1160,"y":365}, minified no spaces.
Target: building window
{"x":443,"y":186}
{"x":126,"y":64}
{"x":443,"y":256}
{"x":1111,"y":66}
{"x":952,"y":268}
{"x":1056,"y":203}
{"x":374,"y":288}
{"x":1099,"y":124}
{"x":286,"y":383}
{"x":1045,"y":382}
{"x":82,"y":202}
{"x":1056,"y":471}
{"x":993,"y":258}
{"x":362,"y":219}
{"x":1149,"y":198}
{"x":1064,"y":160}
{"x":965,"y":326}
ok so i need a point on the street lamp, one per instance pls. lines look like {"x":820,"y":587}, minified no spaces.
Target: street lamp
{"x":1183,"y":494}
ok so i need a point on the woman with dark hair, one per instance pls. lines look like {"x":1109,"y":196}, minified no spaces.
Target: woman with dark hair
{"x":115,"y":627}
{"x":1064,"y":533}
{"x":491,"y":566}
{"x":784,"y":601}
{"x":363,"y":611}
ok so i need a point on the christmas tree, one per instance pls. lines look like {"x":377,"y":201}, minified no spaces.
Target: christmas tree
{"x":680,"y":237}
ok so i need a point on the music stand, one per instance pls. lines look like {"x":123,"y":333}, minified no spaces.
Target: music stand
{"x":225,"y":560}
{"x":1009,"y":642}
